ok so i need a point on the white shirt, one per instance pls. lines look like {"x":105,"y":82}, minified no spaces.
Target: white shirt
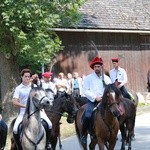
{"x":62,"y":82}
{"x":93,"y":86}
{"x":22,"y":93}
{"x":119,"y":74}
{"x":49,"y":85}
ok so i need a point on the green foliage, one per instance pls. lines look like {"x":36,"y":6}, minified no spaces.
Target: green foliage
{"x":24,"y":30}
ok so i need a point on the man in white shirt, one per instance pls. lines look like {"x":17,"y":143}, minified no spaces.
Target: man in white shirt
{"x":93,"y":88}
{"x":119,"y":76}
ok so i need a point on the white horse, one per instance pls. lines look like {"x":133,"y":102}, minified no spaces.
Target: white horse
{"x":33,"y":134}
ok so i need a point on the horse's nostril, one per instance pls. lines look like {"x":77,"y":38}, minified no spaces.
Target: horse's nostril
{"x":48,"y":102}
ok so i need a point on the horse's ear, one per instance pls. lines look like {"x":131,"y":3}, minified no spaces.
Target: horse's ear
{"x":40,"y":84}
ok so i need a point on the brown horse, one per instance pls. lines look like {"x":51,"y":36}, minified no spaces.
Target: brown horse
{"x":106,"y":124}
{"x":64,"y":103}
{"x":127,"y":122}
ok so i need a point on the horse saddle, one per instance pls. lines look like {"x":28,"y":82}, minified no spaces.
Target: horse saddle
{"x":131,"y":95}
{"x":20,"y":128}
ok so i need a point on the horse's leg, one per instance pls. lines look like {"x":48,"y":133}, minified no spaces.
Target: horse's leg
{"x":123,"y":135}
{"x":84,"y":145}
{"x":92,"y":143}
{"x":13,"y":145}
{"x":130,"y":128}
{"x":53,"y":142}
{"x":112,"y":143}
{"x":100,"y":144}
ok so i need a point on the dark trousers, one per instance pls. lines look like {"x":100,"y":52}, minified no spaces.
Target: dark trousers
{"x":125,"y":92}
{"x":87,"y":119}
{"x":89,"y":110}
{"x":76,"y":92}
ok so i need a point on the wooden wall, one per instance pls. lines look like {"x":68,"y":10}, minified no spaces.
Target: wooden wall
{"x":79,"y":50}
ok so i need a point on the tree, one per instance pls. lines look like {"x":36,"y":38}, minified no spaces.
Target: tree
{"x":25,"y":38}
{"x":25,"y":25}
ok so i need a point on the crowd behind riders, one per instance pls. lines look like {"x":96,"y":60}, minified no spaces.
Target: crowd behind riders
{"x":72,"y":83}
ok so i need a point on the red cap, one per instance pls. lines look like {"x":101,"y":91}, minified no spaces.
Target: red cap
{"x":47,"y":74}
{"x":115,"y":59}
{"x":96,"y":60}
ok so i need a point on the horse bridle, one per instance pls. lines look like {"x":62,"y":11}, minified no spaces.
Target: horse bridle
{"x":35,"y":144}
{"x":38,"y":108}
{"x":110,"y":105}
{"x":110,"y":129}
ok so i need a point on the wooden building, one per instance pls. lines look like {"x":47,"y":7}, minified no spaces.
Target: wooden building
{"x":109,"y":28}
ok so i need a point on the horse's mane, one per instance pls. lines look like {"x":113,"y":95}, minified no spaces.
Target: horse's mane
{"x":59,"y":100}
{"x":26,"y":115}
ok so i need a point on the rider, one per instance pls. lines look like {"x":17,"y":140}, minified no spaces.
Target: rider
{"x":119,"y":76}
{"x":93,"y":88}
{"x":20,"y":98}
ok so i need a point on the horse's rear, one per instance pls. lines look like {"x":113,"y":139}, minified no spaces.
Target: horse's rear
{"x":3,"y":133}
{"x":78,"y":126}
{"x":127,"y":122}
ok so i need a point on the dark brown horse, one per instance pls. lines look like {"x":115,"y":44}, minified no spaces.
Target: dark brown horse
{"x":127,"y":122}
{"x":106,"y":124}
{"x":64,"y":103}
{"x":3,"y":134}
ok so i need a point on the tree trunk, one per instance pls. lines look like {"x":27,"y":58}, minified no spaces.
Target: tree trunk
{"x":9,"y":78}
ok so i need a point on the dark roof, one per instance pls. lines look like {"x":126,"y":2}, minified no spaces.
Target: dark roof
{"x":116,"y":14}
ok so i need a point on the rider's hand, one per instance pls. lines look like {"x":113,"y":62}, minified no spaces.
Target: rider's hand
{"x":98,"y":98}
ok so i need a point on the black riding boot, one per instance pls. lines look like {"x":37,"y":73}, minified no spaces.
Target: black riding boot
{"x":17,"y":141}
{"x":48,"y":132}
{"x":48,"y":144}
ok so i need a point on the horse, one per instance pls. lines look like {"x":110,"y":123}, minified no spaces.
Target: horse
{"x":32,"y":132}
{"x":106,"y":124}
{"x":64,"y":103}
{"x":3,"y":133}
{"x":127,"y":122}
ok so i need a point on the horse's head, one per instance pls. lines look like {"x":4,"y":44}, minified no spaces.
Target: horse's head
{"x":111,"y":99}
{"x":69,"y":106}
{"x":40,"y":98}
{"x":50,"y":95}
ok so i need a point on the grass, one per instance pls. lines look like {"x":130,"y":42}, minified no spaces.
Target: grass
{"x":66,"y":129}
